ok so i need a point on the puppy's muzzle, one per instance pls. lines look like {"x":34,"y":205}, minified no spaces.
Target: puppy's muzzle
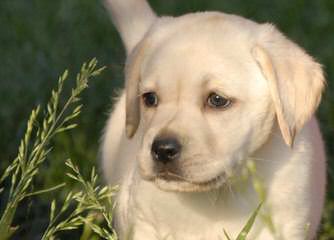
{"x":166,"y":150}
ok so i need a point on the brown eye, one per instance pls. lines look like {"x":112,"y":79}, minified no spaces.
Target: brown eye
{"x":150,"y":99}
{"x":217,"y":101}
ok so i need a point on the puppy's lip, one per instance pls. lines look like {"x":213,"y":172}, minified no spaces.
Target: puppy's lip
{"x":168,"y":176}
{"x":168,"y":182}
{"x":148,"y":177}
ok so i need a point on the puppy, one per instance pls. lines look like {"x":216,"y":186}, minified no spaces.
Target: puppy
{"x":208,"y":94}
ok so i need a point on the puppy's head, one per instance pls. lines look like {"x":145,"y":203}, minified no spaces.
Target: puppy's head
{"x":206,"y":90}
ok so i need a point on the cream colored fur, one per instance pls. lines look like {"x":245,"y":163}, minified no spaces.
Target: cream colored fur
{"x":275,"y":87}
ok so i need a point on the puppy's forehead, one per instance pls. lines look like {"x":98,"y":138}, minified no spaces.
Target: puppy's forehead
{"x":213,"y":48}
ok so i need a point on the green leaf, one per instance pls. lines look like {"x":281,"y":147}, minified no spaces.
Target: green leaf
{"x":246,"y":229}
{"x":45,"y":190}
{"x":52,"y":210}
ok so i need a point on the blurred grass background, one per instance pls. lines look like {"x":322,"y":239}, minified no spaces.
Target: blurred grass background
{"x":41,"y":38}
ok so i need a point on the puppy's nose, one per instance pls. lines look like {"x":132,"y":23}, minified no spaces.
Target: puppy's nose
{"x":166,"y":149}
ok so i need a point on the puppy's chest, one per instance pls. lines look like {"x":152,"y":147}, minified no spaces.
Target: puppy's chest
{"x":192,"y":216}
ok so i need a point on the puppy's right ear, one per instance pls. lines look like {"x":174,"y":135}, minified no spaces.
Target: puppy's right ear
{"x":132,"y":79}
{"x":132,"y":19}
{"x":295,"y":80}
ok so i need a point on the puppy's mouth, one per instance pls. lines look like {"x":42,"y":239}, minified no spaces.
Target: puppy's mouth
{"x":168,"y":181}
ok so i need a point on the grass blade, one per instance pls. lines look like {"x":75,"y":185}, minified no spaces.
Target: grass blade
{"x":246,"y":229}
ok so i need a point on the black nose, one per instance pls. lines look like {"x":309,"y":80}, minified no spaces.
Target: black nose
{"x":166,"y":149}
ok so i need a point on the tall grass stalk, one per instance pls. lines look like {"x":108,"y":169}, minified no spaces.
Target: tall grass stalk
{"x":35,"y":145}
{"x":89,"y":204}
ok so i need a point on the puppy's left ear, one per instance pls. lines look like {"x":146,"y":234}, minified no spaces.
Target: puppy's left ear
{"x":295,"y":80}
{"x":132,"y":79}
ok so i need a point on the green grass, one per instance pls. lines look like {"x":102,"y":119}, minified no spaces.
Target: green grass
{"x":39,"y":38}
{"x":79,"y":208}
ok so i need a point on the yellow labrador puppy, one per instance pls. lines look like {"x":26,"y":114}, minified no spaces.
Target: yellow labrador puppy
{"x":208,"y":94}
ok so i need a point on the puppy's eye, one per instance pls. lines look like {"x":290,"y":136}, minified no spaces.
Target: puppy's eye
{"x":150,"y":99}
{"x":217,"y":101}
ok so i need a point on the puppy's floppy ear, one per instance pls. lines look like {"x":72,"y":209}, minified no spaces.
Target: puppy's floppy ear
{"x":295,"y":80}
{"x":132,"y":78}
